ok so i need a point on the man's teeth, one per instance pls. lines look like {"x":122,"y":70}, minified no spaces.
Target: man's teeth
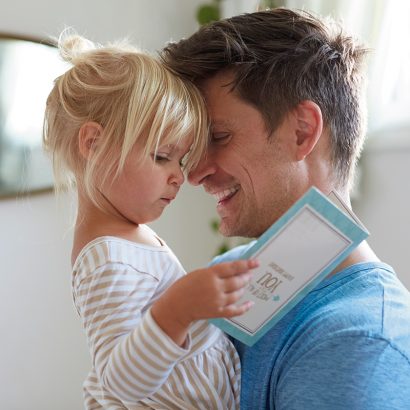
{"x":220,"y":196}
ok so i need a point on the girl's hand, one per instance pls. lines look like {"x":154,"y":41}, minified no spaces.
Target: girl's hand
{"x":202,"y":294}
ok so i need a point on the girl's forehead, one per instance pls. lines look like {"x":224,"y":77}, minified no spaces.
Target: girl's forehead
{"x":182,"y":144}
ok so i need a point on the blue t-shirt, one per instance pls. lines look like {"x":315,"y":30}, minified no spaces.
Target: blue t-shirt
{"x":346,"y":345}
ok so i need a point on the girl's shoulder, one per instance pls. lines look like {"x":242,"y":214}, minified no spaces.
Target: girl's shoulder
{"x":118,"y":253}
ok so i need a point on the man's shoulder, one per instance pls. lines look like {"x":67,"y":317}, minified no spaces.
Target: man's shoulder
{"x":365,"y":303}
{"x":363,"y":297}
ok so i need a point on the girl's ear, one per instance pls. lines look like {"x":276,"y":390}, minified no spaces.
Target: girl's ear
{"x":309,"y":126}
{"x":88,"y":137}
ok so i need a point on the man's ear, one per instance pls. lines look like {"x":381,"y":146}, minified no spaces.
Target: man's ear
{"x":309,"y":126}
{"x":88,"y":136}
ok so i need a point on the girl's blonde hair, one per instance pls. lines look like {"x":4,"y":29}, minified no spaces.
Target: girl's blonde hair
{"x":132,"y":96}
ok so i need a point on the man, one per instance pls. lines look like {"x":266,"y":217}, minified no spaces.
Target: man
{"x":285,"y":98}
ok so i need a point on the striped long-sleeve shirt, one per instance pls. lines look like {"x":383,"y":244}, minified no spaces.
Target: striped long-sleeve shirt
{"x":135,"y":364}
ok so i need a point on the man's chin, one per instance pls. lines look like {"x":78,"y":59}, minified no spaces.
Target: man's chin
{"x":236,"y":229}
{"x":225,"y":229}
{"x":228,"y":229}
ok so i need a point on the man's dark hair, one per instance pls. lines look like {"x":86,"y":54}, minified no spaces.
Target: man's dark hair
{"x":279,"y":58}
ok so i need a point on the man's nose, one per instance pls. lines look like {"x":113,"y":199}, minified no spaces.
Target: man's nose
{"x":202,"y":170}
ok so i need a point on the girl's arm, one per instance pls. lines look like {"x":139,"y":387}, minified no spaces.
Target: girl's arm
{"x":123,"y":339}
{"x":134,"y":349}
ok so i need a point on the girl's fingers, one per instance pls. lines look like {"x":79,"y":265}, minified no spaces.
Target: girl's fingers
{"x":237,"y":282}
{"x":227,"y":269}
{"x":233,"y":297}
{"x":234,"y":310}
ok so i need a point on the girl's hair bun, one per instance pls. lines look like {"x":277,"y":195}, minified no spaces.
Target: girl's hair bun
{"x":73,"y":47}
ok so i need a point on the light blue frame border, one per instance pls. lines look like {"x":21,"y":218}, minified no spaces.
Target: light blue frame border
{"x":317,"y":201}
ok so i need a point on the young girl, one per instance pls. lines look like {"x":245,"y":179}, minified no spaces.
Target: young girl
{"x":120,"y":126}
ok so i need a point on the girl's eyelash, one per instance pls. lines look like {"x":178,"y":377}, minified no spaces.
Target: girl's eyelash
{"x":159,"y":157}
{"x":166,"y":157}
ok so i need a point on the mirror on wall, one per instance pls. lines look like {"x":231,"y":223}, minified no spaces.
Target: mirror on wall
{"x":28,"y":68}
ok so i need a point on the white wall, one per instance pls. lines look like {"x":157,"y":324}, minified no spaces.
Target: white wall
{"x":148,"y":23}
{"x":384,"y":196}
{"x":43,"y":355}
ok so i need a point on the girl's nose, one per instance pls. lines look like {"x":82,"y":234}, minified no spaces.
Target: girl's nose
{"x":177,"y":177}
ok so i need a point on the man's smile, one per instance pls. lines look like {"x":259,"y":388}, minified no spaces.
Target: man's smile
{"x":225,"y":194}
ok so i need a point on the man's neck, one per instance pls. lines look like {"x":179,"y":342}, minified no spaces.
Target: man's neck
{"x":363,"y":253}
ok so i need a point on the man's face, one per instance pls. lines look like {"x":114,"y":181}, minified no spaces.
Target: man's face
{"x":248,"y":171}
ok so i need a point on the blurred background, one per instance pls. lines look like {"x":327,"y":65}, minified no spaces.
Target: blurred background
{"x":43,"y":354}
